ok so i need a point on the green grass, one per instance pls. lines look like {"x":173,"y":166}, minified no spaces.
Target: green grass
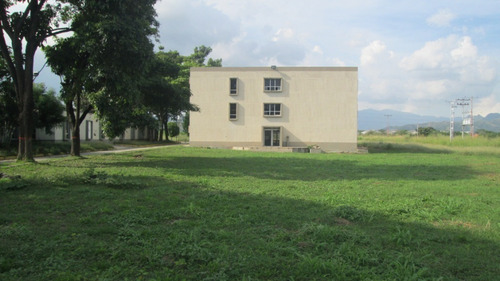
{"x":440,"y":140}
{"x":180,"y":213}
{"x":48,"y":148}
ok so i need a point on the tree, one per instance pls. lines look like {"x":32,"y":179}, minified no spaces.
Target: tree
{"x":103,"y":63}
{"x":426,"y":131}
{"x":173,"y":129}
{"x":26,"y":30}
{"x":158,"y":92}
{"x":166,"y":91}
{"x":8,"y":107}
{"x":107,"y":27}
{"x":49,"y":111}
{"x":185,"y":123}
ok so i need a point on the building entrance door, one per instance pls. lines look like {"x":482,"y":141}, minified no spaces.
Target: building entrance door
{"x":272,"y":136}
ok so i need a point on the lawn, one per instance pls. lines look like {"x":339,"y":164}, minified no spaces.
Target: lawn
{"x":176,"y":213}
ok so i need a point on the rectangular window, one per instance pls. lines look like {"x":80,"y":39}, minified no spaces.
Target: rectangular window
{"x":233,"y":108}
{"x":272,"y":84}
{"x":272,"y":109}
{"x":233,"y":86}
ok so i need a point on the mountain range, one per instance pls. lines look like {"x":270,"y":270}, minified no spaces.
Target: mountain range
{"x":370,"y":119}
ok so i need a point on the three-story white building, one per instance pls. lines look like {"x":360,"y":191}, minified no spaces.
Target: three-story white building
{"x":275,"y":107}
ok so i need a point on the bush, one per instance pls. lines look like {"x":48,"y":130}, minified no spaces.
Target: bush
{"x":427,"y":131}
{"x":173,"y":129}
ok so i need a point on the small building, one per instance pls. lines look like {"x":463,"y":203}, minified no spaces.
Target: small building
{"x":90,"y":130}
{"x":275,"y":107}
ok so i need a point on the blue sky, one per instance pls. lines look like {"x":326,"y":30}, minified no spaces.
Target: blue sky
{"x":413,"y":56}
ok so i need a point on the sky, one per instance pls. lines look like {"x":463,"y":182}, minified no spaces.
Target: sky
{"x":412,"y":56}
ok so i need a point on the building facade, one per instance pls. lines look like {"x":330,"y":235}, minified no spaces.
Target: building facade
{"x":90,"y":130}
{"x":275,"y":107}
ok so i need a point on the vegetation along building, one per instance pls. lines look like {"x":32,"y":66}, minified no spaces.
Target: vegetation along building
{"x":275,"y":107}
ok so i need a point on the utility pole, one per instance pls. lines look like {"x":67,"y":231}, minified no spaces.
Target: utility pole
{"x":471,"y":117}
{"x":452,"y":119}
{"x":388,"y":123}
{"x":467,"y":117}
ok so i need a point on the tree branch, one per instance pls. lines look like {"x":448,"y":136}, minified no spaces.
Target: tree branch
{"x":24,"y":16}
{"x":58,"y":31}
{"x":5,"y":23}
{"x":6,"y":56}
{"x":84,"y":113}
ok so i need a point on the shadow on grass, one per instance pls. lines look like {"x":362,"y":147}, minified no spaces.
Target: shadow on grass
{"x":382,"y":147}
{"x":293,"y":168}
{"x":181,"y":230}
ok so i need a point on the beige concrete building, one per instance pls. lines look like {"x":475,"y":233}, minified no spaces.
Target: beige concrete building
{"x":275,"y":107}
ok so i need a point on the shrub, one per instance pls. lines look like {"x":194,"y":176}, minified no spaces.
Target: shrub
{"x":173,"y":129}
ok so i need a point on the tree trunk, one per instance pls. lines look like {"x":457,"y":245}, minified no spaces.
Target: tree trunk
{"x":29,"y":127}
{"x":75,"y":140}
{"x":20,"y":143}
{"x":165,"y":124}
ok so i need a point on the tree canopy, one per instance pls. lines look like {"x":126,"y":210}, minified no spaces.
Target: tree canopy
{"x":26,"y":28}
{"x":166,"y":92}
{"x":103,"y":63}
{"x":117,"y":38}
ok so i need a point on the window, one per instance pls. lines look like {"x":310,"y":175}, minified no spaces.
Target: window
{"x":233,"y":86}
{"x":272,"y":109}
{"x":272,"y":85}
{"x":88,"y":130}
{"x":233,"y":107}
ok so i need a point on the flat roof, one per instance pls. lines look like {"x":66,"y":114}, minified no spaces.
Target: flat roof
{"x":278,"y":68}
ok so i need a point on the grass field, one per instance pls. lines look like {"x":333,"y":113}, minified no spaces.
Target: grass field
{"x":406,"y":211}
{"x":48,"y":148}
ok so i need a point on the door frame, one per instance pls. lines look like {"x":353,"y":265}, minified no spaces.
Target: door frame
{"x":272,"y":129}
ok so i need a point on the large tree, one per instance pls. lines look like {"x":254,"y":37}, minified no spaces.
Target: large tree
{"x":166,"y":92}
{"x":48,"y":110}
{"x":25,"y":28}
{"x":107,"y":26}
{"x":8,"y":107}
{"x":103,"y":63}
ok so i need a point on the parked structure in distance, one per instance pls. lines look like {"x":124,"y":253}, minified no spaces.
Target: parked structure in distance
{"x":275,"y":107}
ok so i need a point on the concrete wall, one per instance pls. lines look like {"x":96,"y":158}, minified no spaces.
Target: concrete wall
{"x":318,"y":106}
{"x":90,"y":130}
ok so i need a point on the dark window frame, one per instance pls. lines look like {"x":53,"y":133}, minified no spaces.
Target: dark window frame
{"x":273,"y":85}
{"x":233,"y":111}
{"x":273,"y":109}
{"x":233,"y":86}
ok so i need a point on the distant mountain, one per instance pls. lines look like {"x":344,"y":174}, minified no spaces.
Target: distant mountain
{"x":370,"y":119}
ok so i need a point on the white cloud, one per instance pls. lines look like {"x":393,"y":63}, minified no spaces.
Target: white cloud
{"x":442,"y":19}
{"x":451,"y":56}
{"x":186,"y":24}
{"x":430,"y":56}
{"x":283,"y":34}
{"x":369,"y":53}
{"x":486,"y":105}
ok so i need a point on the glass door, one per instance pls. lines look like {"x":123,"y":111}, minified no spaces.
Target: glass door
{"x":272,"y":136}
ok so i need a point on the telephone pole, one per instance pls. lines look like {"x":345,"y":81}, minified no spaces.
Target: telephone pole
{"x":388,"y":123}
{"x":452,"y":119}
